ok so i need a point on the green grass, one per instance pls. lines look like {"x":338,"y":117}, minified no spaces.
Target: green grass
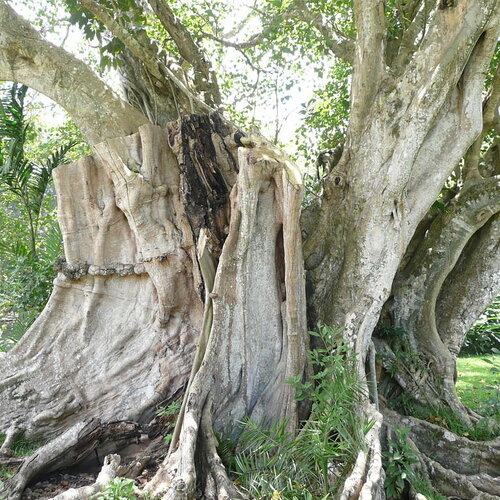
{"x":6,"y":472}
{"x":21,"y":447}
{"x":478,"y":384}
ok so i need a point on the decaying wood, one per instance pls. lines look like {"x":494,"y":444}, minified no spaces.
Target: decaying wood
{"x":156,"y":252}
{"x":257,"y":339}
{"x":120,"y":328}
{"x":70,"y":447}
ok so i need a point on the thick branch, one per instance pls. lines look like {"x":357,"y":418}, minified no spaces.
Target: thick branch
{"x":204,"y":78}
{"x":446,"y":50}
{"x":27,"y":58}
{"x":490,"y":120}
{"x":181,"y":36}
{"x":438,"y":255}
{"x":410,"y":38}
{"x":369,"y":59}
{"x":490,"y":107}
{"x":470,"y":287}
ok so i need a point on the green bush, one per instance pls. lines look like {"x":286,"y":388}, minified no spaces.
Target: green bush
{"x":30,"y":240}
{"x":119,"y":488}
{"x":400,"y":460}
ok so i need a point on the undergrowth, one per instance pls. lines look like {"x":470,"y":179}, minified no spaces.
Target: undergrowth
{"x":403,"y":471}
{"x":271,"y":464}
{"x":21,"y":446}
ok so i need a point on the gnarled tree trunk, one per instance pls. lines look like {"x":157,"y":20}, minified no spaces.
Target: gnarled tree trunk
{"x":146,"y":223}
{"x":183,"y":259}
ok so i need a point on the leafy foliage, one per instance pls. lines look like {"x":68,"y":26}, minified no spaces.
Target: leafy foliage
{"x":119,"y":488}
{"x":399,"y":464}
{"x":30,"y":240}
{"x":171,"y":410}
{"x":442,"y":416}
{"x":273,"y":464}
{"x":484,"y":336}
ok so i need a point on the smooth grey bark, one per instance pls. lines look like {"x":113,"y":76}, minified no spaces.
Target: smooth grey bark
{"x":416,"y":289}
{"x":393,"y":169}
{"x":27,"y":58}
{"x":470,"y":287}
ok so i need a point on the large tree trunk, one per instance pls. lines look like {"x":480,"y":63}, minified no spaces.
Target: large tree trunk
{"x":425,"y":355}
{"x":402,"y":144}
{"x":183,"y":260}
{"x":146,"y":222}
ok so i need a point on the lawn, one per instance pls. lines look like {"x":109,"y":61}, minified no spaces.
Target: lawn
{"x":478,"y":384}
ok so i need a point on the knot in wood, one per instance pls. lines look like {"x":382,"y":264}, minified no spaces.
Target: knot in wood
{"x":179,"y":484}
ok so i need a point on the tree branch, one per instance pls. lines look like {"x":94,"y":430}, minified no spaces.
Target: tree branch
{"x":470,"y":287}
{"x":458,"y":44}
{"x":408,"y":44}
{"x":491,"y":102}
{"x":490,"y":120}
{"x":187,"y":48}
{"x":27,"y":58}
{"x":343,"y":49}
{"x":438,"y":254}
{"x":298,"y":11}
{"x":143,"y":53}
{"x":253,"y":41}
{"x":369,"y":65}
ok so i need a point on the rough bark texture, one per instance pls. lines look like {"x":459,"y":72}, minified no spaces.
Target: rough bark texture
{"x":144,"y":222}
{"x":257,"y":339}
{"x":162,"y":261}
{"x":119,"y":331}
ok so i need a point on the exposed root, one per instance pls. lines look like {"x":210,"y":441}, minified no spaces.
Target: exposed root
{"x":108,"y":472}
{"x":458,"y":467}
{"x":476,"y":487}
{"x":367,"y":477}
{"x":68,"y":449}
{"x":218,"y":485}
{"x":10,"y":436}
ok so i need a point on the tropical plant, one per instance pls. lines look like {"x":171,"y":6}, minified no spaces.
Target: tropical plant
{"x":484,"y":336}
{"x":119,"y":488}
{"x":400,"y":463}
{"x":28,"y":255}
